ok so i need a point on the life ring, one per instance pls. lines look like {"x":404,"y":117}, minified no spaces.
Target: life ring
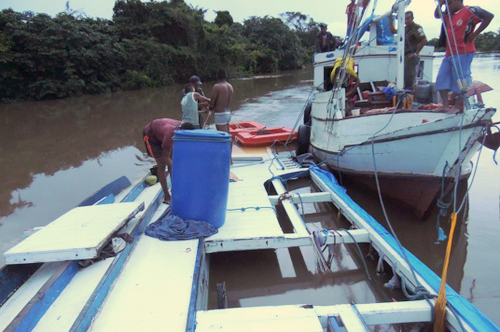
{"x":307,"y":114}
{"x":352,"y":82}
{"x":303,"y":139}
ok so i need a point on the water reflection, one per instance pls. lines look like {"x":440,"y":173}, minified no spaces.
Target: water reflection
{"x":55,"y":153}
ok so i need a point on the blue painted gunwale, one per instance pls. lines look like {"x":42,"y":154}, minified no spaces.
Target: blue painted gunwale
{"x":468,"y":312}
{"x":91,"y":308}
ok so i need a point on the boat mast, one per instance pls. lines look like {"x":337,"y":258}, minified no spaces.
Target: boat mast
{"x":401,"y":45}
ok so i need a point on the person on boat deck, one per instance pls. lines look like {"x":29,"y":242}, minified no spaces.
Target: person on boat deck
{"x":195,"y":81}
{"x":350,"y":17}
{"x":158,"y":136}
{"x":460,"y":24}
{"x":219,"y":103}
{"x":324,"y":40}
{"x":192,"y":104}
{"x":415,"y":40}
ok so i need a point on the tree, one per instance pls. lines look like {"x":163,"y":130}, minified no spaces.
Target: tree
{"x":223,"y":18}
{"x":296,"y":20}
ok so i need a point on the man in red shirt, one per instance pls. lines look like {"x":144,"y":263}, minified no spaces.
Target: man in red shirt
{"x":460,"y":22}
{"x":158,"y":136}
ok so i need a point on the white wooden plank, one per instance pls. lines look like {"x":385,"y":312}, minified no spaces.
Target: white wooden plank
{"x":282,"y":318}
{"x":63,"y":312}
{"x":384,"y":313}
{"x":218,"y":244}
{"x":294,"y":215}
{"x":76,"y":235}
{"x":305,"y":198}
{"x":154,"y":289}
{"x":350,"y":318}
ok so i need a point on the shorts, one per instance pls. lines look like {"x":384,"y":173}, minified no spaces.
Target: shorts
{"x":222,"y":118}
{"x":153,"y":146}
{"x":447,"y":75}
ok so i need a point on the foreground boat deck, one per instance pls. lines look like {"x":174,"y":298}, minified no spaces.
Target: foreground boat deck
{"x":158,"y":285}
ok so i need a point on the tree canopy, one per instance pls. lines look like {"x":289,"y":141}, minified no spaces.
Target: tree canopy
{"x":147,"y":44}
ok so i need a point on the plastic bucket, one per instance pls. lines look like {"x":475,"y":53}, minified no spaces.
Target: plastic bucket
{"x":200,"y":178}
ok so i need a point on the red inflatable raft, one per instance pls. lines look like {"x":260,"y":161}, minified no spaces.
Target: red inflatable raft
{"x":265,"y":136}
{"x":238,"y":127}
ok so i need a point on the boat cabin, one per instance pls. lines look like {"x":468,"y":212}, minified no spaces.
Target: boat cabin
{"x":376,"y":63}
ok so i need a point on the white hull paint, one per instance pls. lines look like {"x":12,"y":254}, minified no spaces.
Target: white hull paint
{"x":416,"y":143}
{"x":375,"y":63}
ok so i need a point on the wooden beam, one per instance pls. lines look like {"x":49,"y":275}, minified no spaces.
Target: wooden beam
{"x":285,"y":241}
{"x":350,"y":318}
{"x":304,"y":198}
{"x":371,"y":314}
{"x":383,"y":313}
{"x":292,"y":212}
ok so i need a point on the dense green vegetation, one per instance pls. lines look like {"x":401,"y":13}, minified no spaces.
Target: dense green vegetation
{"x":144,"y":45}
{"x":147,"y":44}
{"x":485,"y":42}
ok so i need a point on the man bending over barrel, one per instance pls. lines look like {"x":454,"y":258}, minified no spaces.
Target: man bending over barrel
{"x":158,"y":136}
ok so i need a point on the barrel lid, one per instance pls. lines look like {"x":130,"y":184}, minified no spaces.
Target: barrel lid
{"x":202,"y":134}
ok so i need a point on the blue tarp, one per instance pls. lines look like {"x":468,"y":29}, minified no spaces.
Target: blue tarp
{"x":173,"y":228}
{"x":475,"y":318}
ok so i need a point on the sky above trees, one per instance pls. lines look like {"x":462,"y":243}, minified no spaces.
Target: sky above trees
{"x":331,"y":12}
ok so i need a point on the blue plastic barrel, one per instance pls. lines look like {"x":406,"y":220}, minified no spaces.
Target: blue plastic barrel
{"x":200,"y":177}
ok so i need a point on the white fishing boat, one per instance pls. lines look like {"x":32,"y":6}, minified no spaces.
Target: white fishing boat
{"x":412,"y":148}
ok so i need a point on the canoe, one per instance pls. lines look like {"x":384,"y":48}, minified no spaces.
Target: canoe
{"x":266,"y":136}
{"x":237,"y":127}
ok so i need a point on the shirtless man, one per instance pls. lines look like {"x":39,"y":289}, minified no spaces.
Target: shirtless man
{"x":221,"y":97}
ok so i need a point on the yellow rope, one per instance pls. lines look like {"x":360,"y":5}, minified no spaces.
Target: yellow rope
{"x":440,"y":306}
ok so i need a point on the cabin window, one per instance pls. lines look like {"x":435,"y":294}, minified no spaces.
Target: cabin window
{"x":326,"y":78}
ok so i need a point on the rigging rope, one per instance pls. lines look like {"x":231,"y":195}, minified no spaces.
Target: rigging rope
{"x":440,"y":305}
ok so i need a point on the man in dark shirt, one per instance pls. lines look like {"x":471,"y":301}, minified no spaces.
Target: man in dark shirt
{"x":324,"y":40}
{"x":415,"y":40}
{"x":158,"y":136}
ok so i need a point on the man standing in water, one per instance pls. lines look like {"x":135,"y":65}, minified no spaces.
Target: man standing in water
{"x":221,"y":97}
{"x":158,"y":136}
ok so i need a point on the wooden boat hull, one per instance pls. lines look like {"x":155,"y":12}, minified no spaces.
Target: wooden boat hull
{"x":412,"y":150}
{"x":418,"y":194}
